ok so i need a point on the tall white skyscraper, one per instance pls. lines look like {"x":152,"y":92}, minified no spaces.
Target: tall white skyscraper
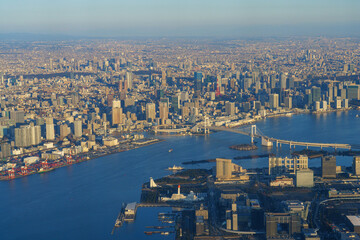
{"x":150,"y":111}
{"x":50,"y":129}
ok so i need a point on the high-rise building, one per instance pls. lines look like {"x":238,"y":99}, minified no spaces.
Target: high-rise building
{"x":283,"y":225}
{"x":288,"y":102}
{"x":230,"y":108}
{"x":150,"y":111}
{"x":283,"y":78}
{"x":117,"y":113}
{"x":26,"y":136}
{"x":274,"y":101}
{"x":316,"y":94}
{"x":278,"y":165}
{"x":353,"y":92}
{"x":5,"y":150}
{"x":163,"y":78}
{"x":64,"y":130}
{"x":223,"y":168}
{"x":129,"y":80}
{"x":50,"y":129}
{"x":78,"y":128}
{"x":356,"y":166}
{"x":328,"y":166}
{"x":164,"y":110}
{"x":17,"y":116}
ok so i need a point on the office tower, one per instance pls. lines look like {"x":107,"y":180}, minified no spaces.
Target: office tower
{"x":290,"y":83}
{"x":78,"y":128}
{"x":35,"y":134}
{"x":110,"y":98}
{"x":50,"y":130}
{"x":282,"y":225}
{"x":230,"y":108}
{"x":117,"y":113}
{"x":274,"y":101}
{"x":64,"y":130}
{"x":150,"y":111}
{"x":330,"y":93}
{"x":356,"y":166}
{"x":20,"y":137}
{"x":328,"y":166}
{"x":129,"y":80}
{"x":223,"y":168}
{"x":198,"y":80}
{"x":163,"y":78}
{"x":353,"y":92}
{"x":17,"y":116}
{"x":288,"y":102}
{"x":316,"y":94}
{"x":278,"y":165}
{"x":164,"y":110}
{"x":283,"y":81}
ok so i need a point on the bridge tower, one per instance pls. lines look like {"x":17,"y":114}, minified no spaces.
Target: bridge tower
{"x":253,"y":133}
{"x":207,"y":122}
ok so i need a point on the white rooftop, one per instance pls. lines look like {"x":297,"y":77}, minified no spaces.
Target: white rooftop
{"x":355,"y":220}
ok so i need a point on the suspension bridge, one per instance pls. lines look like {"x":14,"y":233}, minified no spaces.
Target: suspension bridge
{"x":253,"y":132}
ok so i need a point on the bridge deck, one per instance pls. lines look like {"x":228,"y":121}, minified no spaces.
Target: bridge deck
{"x":281,"y":141}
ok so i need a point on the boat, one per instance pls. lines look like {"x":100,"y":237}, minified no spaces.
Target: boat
{"x":44,"y":170}
{"x":357,"y":115}
{"x":175,"y":168}
{"x":170,"y":150}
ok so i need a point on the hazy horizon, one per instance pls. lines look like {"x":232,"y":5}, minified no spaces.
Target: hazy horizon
{"x":168,"y":18}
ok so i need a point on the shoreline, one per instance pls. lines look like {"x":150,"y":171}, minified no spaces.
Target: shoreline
{"x":83,"y":158}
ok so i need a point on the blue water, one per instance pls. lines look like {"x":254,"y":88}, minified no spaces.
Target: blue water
{"x":82,"y":201}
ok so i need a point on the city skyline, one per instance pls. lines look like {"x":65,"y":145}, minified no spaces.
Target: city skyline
{"x":181,"y":19}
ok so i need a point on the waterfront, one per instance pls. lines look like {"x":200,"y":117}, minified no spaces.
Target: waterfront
{"x":82,"y":201}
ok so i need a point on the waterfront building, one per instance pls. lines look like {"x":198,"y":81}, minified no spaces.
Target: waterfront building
{"x":328,"y":167}
{"x":150,"y":111}
{"x":223,"y":168}
{"x":353,"y":92}
{"x":316,"y":94}
{"x":28,"y":135}
{"x":356,"y":165}
{"x":288,"y":102}
{"x":274,"y":101}
{"x":164,"y":111}
{"x":278,"y":165}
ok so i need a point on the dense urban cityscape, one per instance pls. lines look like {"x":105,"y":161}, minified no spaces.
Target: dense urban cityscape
{"x":65,"y":102}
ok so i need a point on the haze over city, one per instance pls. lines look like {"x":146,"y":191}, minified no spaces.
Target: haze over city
{"x":169,"y":18}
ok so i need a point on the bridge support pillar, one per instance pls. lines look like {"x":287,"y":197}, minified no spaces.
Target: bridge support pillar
{"x":253,"y":133}
{"x":307,"y":146}
{"x":290,"y":145}
{"x":277,"y":143}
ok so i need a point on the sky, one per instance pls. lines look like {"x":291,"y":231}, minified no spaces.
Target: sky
{"x":181,"y":18}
